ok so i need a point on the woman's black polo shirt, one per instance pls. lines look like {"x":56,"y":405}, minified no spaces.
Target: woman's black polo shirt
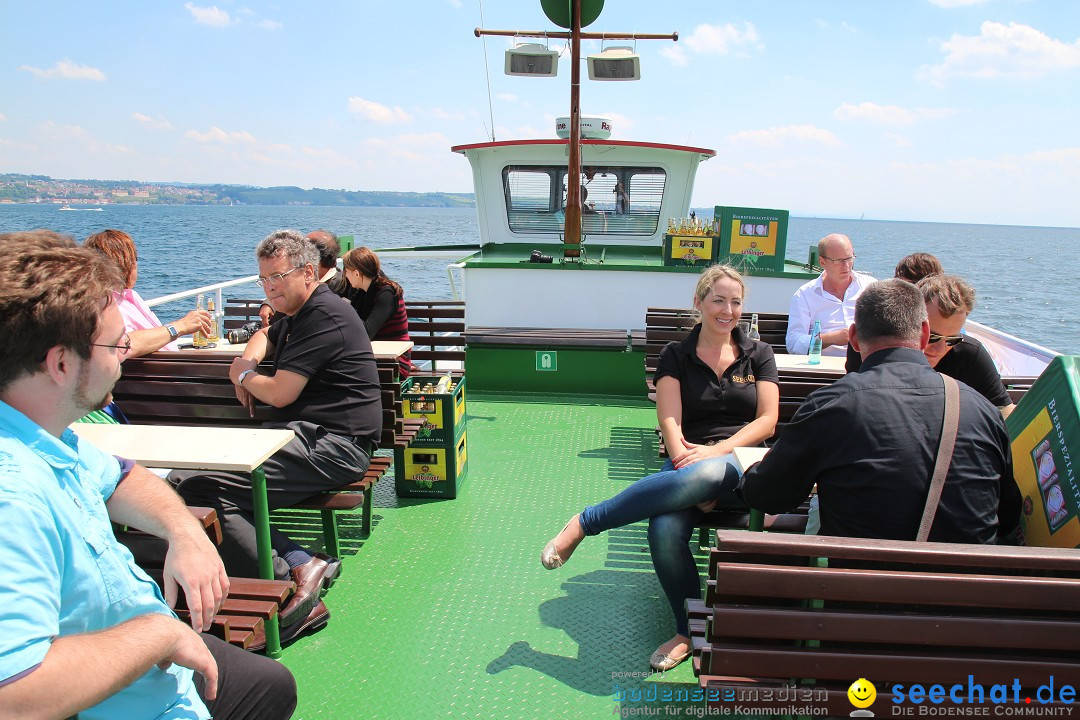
{"x":716,"y":408}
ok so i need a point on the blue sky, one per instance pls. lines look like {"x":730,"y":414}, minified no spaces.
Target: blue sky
{"x":949,"y":110}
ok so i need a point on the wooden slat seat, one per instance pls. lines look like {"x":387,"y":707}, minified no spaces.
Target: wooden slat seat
{"x":828,"y":610}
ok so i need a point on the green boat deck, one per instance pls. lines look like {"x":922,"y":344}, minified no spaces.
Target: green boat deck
{"x":446,"y":612}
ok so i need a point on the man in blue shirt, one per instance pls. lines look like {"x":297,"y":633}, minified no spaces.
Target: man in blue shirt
{"x":83,"y":630}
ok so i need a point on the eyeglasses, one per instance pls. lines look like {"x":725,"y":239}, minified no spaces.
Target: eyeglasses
{"x":841,"y":261}
{"x":950,"y":340}
{"x":276,"y":277}
{"x":123,"y":348}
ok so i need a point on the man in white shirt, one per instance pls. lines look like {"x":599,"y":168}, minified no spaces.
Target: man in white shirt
{"x":830,"y":298}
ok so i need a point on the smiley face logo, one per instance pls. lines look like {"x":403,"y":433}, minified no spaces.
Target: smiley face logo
{"x":862,"y":693}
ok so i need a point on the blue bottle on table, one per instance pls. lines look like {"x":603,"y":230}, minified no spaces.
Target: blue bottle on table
{"x":815,"y":345}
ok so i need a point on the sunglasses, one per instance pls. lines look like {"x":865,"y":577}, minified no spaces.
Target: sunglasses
{"x":950,"y":340}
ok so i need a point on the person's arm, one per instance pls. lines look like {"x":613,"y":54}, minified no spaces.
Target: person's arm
{"x":986,"y":380}
{"x":785,"y":477}
{"x":257,"y":348}
{"x":798,"y":328}
{"x":381,"y":310}
{"x":833,"y":337}
{"x":144,"y":501}
{"x":669,"y":414}
{"x":144,"y":342}
{"x":80,"y":671}
{"x":280,"y":389}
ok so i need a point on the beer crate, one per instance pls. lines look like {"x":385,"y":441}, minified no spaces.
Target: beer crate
{"x":1044,"y":429}
{"x":689,"y":250}
{"x":443,"y":413}
{"x":429,"y":471}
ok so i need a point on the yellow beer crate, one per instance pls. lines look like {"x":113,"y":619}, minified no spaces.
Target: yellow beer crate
{"x":443,"y":413}
{"x":429,"y":471}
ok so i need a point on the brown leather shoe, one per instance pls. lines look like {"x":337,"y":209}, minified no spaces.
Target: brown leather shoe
{"x":333,"y":569}
{"x":309,"y":580}
{"x":317,"y":618}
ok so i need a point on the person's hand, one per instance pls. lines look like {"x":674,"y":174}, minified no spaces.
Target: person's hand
{"x":834,"y":337}
{"x":694,"y":453}
{"x":194,"y":320}
{"x":238,"y":366}
{"x":265,"y":311}
{"x":190,"y":651}
{"x":246,"y":399}
{"x":192,"y":562}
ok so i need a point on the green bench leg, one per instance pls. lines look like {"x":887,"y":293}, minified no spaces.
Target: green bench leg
{"x":266,"y":560}
{"x":757,"y":521}
{"x":365,"y":514}
{"x":330,"y":533}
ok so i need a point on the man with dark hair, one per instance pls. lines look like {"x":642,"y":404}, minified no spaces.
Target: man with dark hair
{"x":83,"y":630}
{"x":869,"y":440}
{"x":325,"y":388}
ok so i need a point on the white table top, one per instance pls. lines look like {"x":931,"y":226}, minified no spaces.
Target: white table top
{"x":829,"y":363}
{"x":747,"y":456}
{"x":383,"y":349}
{"x":187,"y":448}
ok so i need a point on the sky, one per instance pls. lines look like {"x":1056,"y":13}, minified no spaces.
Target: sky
{"x":936,"y":110}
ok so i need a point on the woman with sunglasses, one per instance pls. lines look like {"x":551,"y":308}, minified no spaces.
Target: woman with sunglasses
{"x":146,"y":334}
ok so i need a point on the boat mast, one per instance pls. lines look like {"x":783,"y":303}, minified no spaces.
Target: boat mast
{"x":572,"y":226}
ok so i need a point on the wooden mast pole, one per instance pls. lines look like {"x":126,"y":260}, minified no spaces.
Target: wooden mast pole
{"x":572,"y":229}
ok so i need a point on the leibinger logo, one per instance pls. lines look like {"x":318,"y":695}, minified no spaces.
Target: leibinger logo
{"x":970,"y":699}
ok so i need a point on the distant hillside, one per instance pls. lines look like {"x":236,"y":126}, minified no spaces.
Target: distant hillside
{"x":43,"y":189}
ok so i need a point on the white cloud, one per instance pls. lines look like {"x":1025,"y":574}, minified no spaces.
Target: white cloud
{"x":441,"y":114}
{"x":777,"y":136}
{"x":212,"y":16}
{"x":1012,"y":50}
{"x":888,"y":114}
{"x":956,"y":3}
{"x":269,"y":25}
{"x":2,"y":117}
{"x":219,"y":136}
{"x":158,"y":123}
{"x":712,"y":40}
{"x":455,"y":3}
{"x":377,"y":112}
{"x":898,"y":140}
{"x":509,"y":97}
{"x":67,"y":70}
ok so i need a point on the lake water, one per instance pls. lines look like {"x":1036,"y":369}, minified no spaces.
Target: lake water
{"x":1025,"y":277}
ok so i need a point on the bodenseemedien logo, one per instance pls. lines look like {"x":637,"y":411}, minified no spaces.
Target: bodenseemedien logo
{"x":862,"y":694}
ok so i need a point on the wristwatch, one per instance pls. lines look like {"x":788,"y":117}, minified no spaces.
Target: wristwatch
{"x":172,"y":331}
{"x":240,"y":380}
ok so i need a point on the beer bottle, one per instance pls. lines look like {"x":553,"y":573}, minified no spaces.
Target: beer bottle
{"x":213,"y":335}
{"x":199,"y":340}
{"x":755,"y":334}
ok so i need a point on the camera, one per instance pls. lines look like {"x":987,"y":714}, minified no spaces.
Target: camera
{"x":539,"y":257}
{"x":243,"y":333}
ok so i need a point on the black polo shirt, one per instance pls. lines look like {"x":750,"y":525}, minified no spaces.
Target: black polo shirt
{"x":968,"y":362}
{"x":869,"y":441}
{"x":715,"y":408}
{"x":325,"y":341}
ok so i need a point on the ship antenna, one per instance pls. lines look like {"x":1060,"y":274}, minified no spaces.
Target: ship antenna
{"x":487,"y":75}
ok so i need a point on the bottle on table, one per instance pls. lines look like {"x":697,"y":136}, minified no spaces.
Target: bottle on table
{"x":815,"y":344}
{"x":199,"y":340}
{"x":755,"y":334}
{"x":213,"y":336}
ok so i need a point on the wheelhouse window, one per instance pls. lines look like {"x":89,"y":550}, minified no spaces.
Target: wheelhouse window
{"x":615,"y":200}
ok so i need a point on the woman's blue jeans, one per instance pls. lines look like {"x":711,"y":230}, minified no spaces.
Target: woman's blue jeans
{"x":669,"y":499}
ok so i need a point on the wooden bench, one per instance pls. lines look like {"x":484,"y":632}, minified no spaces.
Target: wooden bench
{"x":193,"y":388}
{"x":822,"y":612}
{"x":548,"y":337}
{"x":251,"y":602}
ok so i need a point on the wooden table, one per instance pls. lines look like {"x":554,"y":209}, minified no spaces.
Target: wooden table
{"x":383,"y":349}
{"x":204,"y":448}
{"x":830,"y":364}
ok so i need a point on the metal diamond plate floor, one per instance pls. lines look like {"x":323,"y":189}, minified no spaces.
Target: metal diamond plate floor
{"x":446,"y":612}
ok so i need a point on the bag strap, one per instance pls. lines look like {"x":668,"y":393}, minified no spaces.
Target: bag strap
{"x":944,"y":455}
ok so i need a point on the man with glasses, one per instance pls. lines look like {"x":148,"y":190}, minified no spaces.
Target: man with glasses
{"x":829,"y":299}
{"x":325,"y":388}
{"x":869,"y":441}
{"x":83,"y":630}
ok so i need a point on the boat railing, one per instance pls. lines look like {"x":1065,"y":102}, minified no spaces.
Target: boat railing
{"x":215,"y":288}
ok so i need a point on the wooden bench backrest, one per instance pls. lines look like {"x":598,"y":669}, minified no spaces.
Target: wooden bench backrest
{"x":909,"y":613}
